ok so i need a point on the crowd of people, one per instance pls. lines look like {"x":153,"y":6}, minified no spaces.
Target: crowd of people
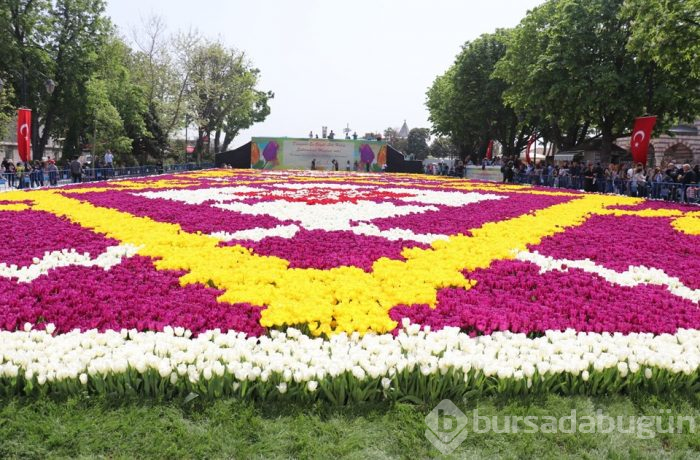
{"x":667,"y":181}
{"x":30,"y":174}
{"x":35,"y":174}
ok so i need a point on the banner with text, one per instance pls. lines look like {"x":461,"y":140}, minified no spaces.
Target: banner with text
{"x":291,"y":153}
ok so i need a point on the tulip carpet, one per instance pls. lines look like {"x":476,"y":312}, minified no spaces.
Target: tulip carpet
{"x":344,"y":287}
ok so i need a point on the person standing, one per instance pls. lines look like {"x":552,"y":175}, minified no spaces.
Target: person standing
{"x":8,"y":173}
{"x":53,"y":173}
{"x":109,"y":163}
{"x":687,"y":178}
{"x":313,"y":164}
{"x":20,"y":174}
{"x":347,"y":166}
{"x":109,"y":159}
{"x":76,"y":171}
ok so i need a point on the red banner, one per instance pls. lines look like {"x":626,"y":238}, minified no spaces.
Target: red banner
{"x":24,"y":134}
{"x":529,"y":146}
{"x":489,"y":150}
{"x":641,"y":135}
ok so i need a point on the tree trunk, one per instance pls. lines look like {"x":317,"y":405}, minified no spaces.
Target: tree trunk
{"x":228,"y":138}
{"x":44,"y":139}
{"x":217,"y":141}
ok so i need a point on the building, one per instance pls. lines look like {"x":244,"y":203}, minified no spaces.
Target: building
{"x":683,"y":147}
{"x":8,"y":145}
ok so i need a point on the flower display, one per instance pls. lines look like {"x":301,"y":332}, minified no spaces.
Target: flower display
{"x":296,"y":284}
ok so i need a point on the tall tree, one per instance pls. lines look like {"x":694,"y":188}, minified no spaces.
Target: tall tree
{"x":417,"y":143}
{"x":221,"y":94}
{"x":118,"y":103}
{"x":24,"y":59}
{"x":570,"y":69}
{"x":466,"y":102}
{"x":162,"y":62}
{"x":78,"y":33}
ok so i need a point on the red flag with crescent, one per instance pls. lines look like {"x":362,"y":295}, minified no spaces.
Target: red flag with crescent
{"x":641,"y":134}
{"x":489,"y":150}
{"x":529,"y":146}
{"x":24,"y":134}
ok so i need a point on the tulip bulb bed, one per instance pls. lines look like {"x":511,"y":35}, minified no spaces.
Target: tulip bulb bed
{"x":344,"y":287}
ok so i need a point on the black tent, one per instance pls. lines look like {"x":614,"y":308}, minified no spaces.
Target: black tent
{"x":238,"y":158}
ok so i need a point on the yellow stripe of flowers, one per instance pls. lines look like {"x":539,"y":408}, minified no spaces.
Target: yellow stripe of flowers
{"x":14,"y":207}
{"x":341,"y":299}
{"x":690,"y":223}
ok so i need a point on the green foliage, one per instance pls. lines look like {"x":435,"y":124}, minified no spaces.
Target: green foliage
{"x":109,"y":95}
{"x":667,"y":32}
{"x":570,"y":67}
{"x":417,"y":143}
{"x":570,"y":70}
{"x":443,"y":147}
{"x":466,"y":102}
{"x":221,"y":93}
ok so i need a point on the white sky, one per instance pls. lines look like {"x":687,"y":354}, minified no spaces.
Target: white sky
{"x":363,"y":62}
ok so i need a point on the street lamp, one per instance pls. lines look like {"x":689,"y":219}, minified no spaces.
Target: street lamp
{"x":49,"y":84}
{"x":188,"y":120}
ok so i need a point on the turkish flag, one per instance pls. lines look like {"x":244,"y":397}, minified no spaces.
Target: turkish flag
{"x":641,"y":135}
{"x":529,"y":145}
{"x":489,"y":150}
{"x":24,"y":134}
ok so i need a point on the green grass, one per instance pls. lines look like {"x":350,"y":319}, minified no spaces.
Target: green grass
{"x":87,"y":427}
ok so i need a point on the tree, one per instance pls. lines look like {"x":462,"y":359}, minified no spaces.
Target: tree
{"x":24,"y":61}
{"x":78,"y":32}
{"x":570,"y":69}
{"x":391,"y":136}
{"x":252,"y":107}
{"x":667,"y":33}
{"x":117,"y":102}
{"x":417,"y":143}
{"x":466,"y":102}
{"x":443,"y":147}
{"x":163,"y":66}
{"x":221,"y":94}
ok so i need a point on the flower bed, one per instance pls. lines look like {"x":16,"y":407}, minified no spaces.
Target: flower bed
{"x":405,"y":287}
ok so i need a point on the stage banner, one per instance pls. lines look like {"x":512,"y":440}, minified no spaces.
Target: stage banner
{"x":291,"y":153}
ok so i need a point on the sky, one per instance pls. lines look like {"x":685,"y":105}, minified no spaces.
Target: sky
{"x":362,"y":63}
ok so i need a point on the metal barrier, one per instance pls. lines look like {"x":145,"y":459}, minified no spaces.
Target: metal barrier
{"x":670,"y":191}
{"x":44,"y":178}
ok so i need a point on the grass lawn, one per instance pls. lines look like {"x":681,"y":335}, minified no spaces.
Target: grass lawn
{"x":86,"y":427}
